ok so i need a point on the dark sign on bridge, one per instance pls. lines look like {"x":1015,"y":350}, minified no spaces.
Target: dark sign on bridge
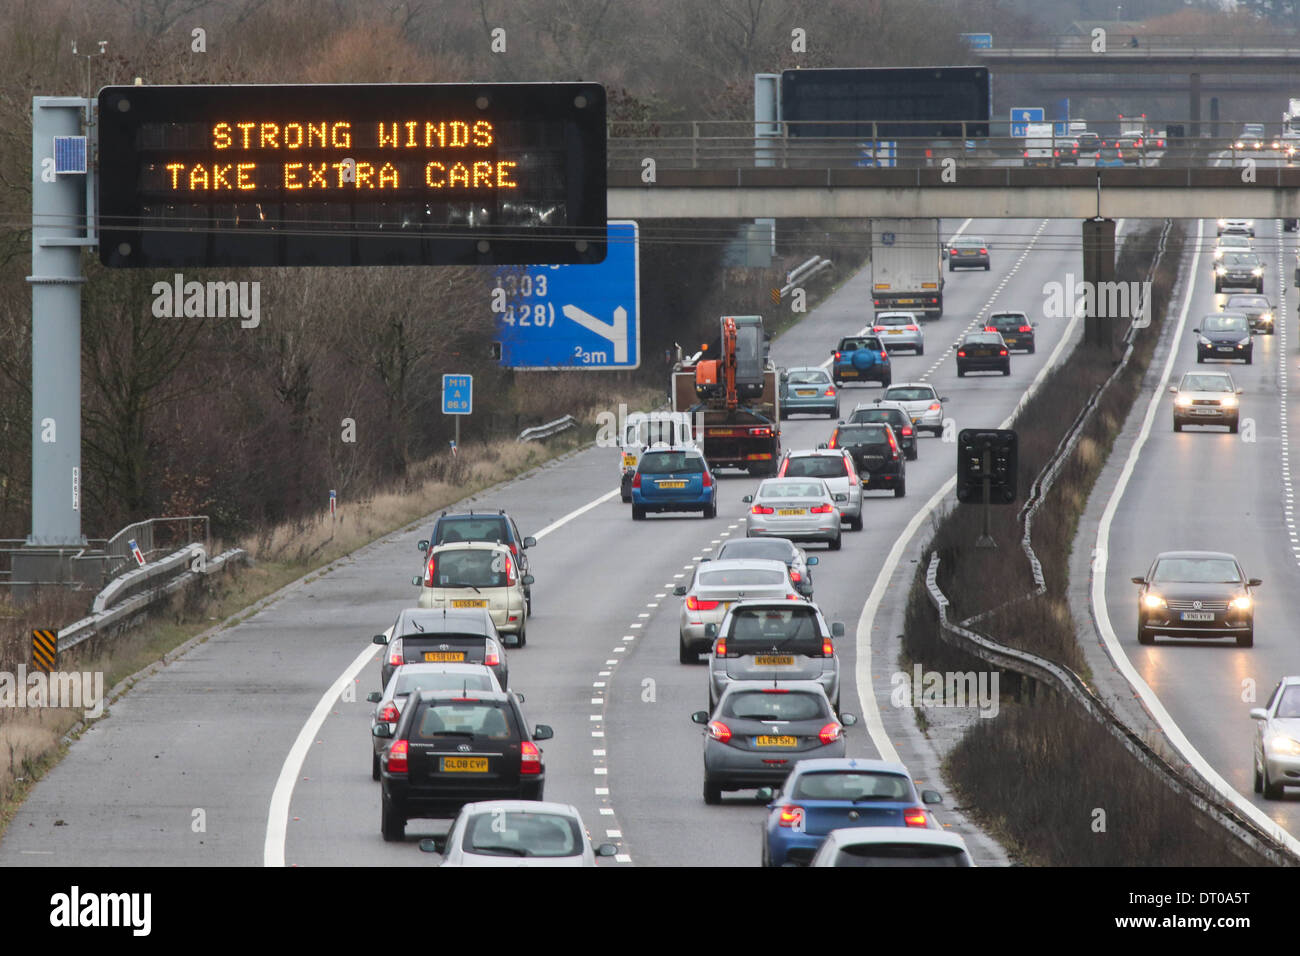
{"x":348,"y":175}
{"x":902,"y":102}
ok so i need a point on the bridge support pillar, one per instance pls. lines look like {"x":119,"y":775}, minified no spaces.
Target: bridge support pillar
{"x":1194,"y":106}
{"x":1098,"y":267}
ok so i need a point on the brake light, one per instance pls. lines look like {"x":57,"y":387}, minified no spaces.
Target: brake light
{"x":791,"y":816}
{"x":719,"y":731}
{"x":1026,"y":328}
{"x":775,"y":690}
{"x":795,"y":576}
{"x":1056,"y":152}
{"x":428,"y":572}
{"x":762,"y":510}
{"x":720,"y":647}
{"x":761,"y":432}
{"x":706,"y":479}
{"x":830,"y":392}
{"x":877,"y":328}
{"x":793,"y":597}
{"x":914,"y":817}
{"x":952,"y":252}
{"x":935,"y":406}
{"x":397,"y":756}
{"x":636,"y":480}
{"x":492,"y":656}
{"x":913,"y":328}
{"x":510,"y":571}
{"x":984,"y":252}
{"x":961,"y":353}
{"x":530,"y":758}
{"x":828,"y":647}
{"x":1002,"y":351}
{"x":884,"y":355}
{"x":389,"y":714}
{"x":514,"y":549}
{"x":837,"y":356}
{"x":907,"y":429}
{"x":834,"y":438}
{"x":893,"y":445}
{"x":395,"y":653}
{"x":820,"y":509}
{"x":830,"y":733}
{"x":695,"y":604}
{"x":990,"y":328}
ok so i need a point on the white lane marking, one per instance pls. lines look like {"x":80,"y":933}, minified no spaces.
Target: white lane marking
{"x":614,"y":834}
{"x":602,"y":791}
{"x":598,"y":733}
{"x":862,"y":665}
{"x":559,"y":522}
{"x":1162,"y":717}
{"x":622,"y":858}
{"x":606,"y":811}
{"x":600,"y":771}
{"x":277,"y":818}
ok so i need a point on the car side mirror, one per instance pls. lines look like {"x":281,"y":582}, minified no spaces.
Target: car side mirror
{"x":1196,"y":331}
{"x":374,"y":697}
{"x":381,"y":730}
{"x":1254,"y":582}
{"x":837,"y":629}
{"x":1240,"y":391}
{"x":747,"y":499}
{"x":520,"y":697}
{"x":1258,"y":713}
{"x":944,"y":399}
{"x":680,"y":590}
{"x":956,"y":345}
{"x":423,"y":544}
{"x":700,"y":717}
{"x":1139,"y":580}
{"x":1173,"y":389}
{"x":931,"y":796}
{"x":530,"y":541}
{"x":848,"y":720}
{"x":710,"y":630}
{"x":765,"y":794}
{"x":607,"y":849}
{"x":417,"y":581}
{"x":527,"y":579}
{"x":381,"y":639}
{"x":543,"y":732}
{"x":812,"y":560}
{"x":434,"y":844}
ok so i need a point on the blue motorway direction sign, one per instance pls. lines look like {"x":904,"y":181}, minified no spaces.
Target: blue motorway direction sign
{"x":573,"y":316}
{"x":1022,"y":116}
{"x":457,"y":394}
{"x":978,"y":41}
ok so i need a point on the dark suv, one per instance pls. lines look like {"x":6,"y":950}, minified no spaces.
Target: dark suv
{"x":442,"y":636}
{"x":876,"y":455}
{"x":483,"y":526}
{"x":453,"y":747}
{"x":895,"y":416}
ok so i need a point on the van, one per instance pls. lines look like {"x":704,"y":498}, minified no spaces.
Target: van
{"x":642,"y":430}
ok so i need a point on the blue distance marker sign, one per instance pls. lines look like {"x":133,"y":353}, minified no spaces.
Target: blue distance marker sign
{"x":457,"y":394}
{"x":573,"y":316}
{"x":978,"y":41}
{"x":1022,"y":116}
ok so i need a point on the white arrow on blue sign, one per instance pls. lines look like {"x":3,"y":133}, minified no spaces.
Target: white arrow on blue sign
{"x":576,"y":316}
{"x":1022,"y":116}
{"x":457,"y":394}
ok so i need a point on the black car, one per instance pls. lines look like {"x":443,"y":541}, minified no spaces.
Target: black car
{"x":893,"y":415}
{"x":1256,"y":308}
{"x":1224,"y":335}
{"x":772,"y":549}
{"x":483,"y":526}
{"x":454,"y":747}
{"x":982,"y":352}
{"x":1014,"y":327}
{"x":1086,"y":144}
{"x":443,"y":636}
{"x":876,"y":455}
{"x":1196,"y":594}
{"x":1239,"y":270}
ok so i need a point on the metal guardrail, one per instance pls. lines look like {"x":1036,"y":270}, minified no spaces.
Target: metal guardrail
{"x":547,"y":430}
{"x":804,"y":272}
{"x":102,"y":559}
{"x":1120,"y":42}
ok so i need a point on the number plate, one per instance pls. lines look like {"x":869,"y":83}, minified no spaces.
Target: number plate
{"x":849,"y":373}
{"x":1198,"y":616}
{"x":1205,"y":411}
{"x":805,"y":391}
{"x":443,"y":657}
{"x":629,"y":461}
{"x":469,"y":602}
{"x":773,"y":660}
{"x":783,"y":740}
{"x":671,"y":484}
{"x":895,"y":331}
{"x":791,"y":511}
{"x":464,"y":764}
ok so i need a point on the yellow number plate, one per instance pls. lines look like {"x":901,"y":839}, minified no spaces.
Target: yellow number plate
{"x":672,"y":484}
{"x":848,"y":373}
{"x":791,"y":511}
{"x":465,"y":764}
{"x":443,"y":657}
{"x":782,"y":741}
{"x":470,"y":603}
{"x":770,"y":660}
{"x":629,"y":461}
{"x":895,"y":331}
{"x":805,"y":391}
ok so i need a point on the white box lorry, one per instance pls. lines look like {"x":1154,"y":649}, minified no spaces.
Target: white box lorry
{"x":907,"y":266}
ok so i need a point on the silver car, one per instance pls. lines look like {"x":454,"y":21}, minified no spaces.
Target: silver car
{"x":773,"y":549}
{"x":716,"y":586}
{"x":775,"y":640}
{"x":921,"y":402}
{"x":899,"y":330}
{"x":1277,"y":740}
{"x":1206,"y":398}
{"x":892,"y":846}
{"x":417,"y":677}
{"x":801,"y":509}
{"x":517,"y":833}
{"x":1237,"y":227}
{"x":833,"y":466}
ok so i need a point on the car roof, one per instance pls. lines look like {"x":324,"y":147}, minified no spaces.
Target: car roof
{"x":441,"y":620}
{"x":852,"y":763}
{"x":1005,"y":313}
{"x":763,"y":540}
{"x":879,"y":403}
{"x":1196,"y":554}
{"x":470,"y":515}
{"x":803,"y":368}
{"x":912,"y":385}
{"x":885,"y":315}
{"x":816,"y":452}
{"x":534,"y":806}
{"x":780,"y":605}
{"x":764,"y":564}
{"x":856,"y":836}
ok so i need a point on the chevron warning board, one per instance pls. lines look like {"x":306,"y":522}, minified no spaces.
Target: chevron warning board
{"x":45,"y":650}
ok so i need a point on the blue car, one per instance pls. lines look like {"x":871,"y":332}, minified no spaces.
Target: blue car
{"x":1109,"y":154}
{"x":673,"y":479}
{"x":861,"y":358}
{"x":808,"y":391}
{"x":834,"y":793}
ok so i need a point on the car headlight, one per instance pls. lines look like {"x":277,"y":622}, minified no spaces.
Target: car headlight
{"x":1154,"y":600}
{"x":1218,"y":253}
{"x":1223,"y":222}
{"x":1257,"y":271}
{"x":1229,"y":401}
{"x":1266,"y":317}
{"x":1204,"y":341}
{"x":1220,"y":271}
{"x":1242,"y":603}
{"x":1182,"y":401}
{"x":1280,"y":743}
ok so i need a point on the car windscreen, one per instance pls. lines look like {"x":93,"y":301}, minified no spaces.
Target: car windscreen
{"x":1240,"y":260}
{"x":1225,"y":323}
{"x":968,"y":243}
{"x":767,"y":549}
{"x":1289,"y":705}
{"x":1205,"y":383}
{"x":980,"y":338}
{"x":1196,"y":571}
{"x":743,"y":577}
{"x":406,"y":683}
{"x":522,"y":834}
{"x":851,"y":785}
{"x":765,"y":705}
{"x":900,"y":854}
{"x":895,"y":320}
{"x":816,"y":466}
{"x":487,"y":528}
{"x":887,"y":416}
{"x":861,"y":435}
{"x":458,"y":718}
{"x":792,"y":629}
{"x":809,"y":376}
{"x":1007,"y":321}
{"x":908,"y":395}
{"x":791,"y":489}
{"x":470,"y":567}
{"x":671,"y":462}
{"x":1247,"y":302}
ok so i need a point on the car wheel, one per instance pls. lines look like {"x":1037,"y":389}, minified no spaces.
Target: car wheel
{"x":522,"y":637}
{"x":920,"y":350}
{"x":986,"y":268}
{"x":1031,"y":350}
{"x":1272,"y":791}
{"x":374,"y":766}
{"x":1259,"y":780}
{"x":712,"y":793}
{"x":911,"y":455}
{"x":1247,"y":639}
{"x":627,"y":497}
{"x":900,"y":489}
{"x":961,"y":372}
{"x":1249,"y":357}
{"x":1232,"y":428}
{"x":711,"y":510}
{"x":1217,"y":286}
{"x":684,"y":654}
{"x":391,"y":823}
{"x":951,"y":268}
{"x":835,"y":412}
{"x":1178,"y":426}
{"x":856,"y":523}
{"x":767,"y":857}
{"x":1145,"y":636}
{"x":638,"y":513}
{"x":1006,"y":370}
{"x":836,"y":543}
{"x":1200,"y":359}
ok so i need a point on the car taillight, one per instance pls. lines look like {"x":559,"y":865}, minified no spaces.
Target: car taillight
{"x":761,"y":432}
{"x":780,"y":473}
{"x":830,"y":733}
{"x":389,"y":714}
{"x":795,"y":576}
{"x":775,"y":690}
{"x":636,"y":480}
{"x":397,"y":756}
{"x":830,"y":392}
{"x":961,"y":353}
{"x":820,"y":509}
{"x":1056,"y":152}
{"x":428,"y":572}
{"x":1026,"y":328}
{"x":935,"y":406}
{"x":492,"y":656}
{"x":952,"y":252}
{"x":1026,"y":154}
{"x":761,"y":510}
{"x":913,"y":328}
{"x":514,"y":549}
{"x":706,"y":479}
{"x":510,"y":571}
{"x":828,"y":647}
{"x":395,"y":653}
{"x":837,"y":356}
{"x":907,"y":429}
{"x":893,"y":445}
{"x":914,"y":817}
{"x":793,"y":597}
{"x":720,"y":647}
{"x":1118,"y":154}
{"x":990,"y":328}
{"x":877,"y":328}
{"x":1002,"y":351}
{"x":695,"y":604}
{"x":884,"y":355}
{"x":719,"y":731}
{"x":984,"y":252}
{"x":791,"y":816}
{"x":834,"y":438}
{"x":530,"y":758}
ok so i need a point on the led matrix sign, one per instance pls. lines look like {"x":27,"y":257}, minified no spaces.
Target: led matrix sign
{"x":373,"y":174}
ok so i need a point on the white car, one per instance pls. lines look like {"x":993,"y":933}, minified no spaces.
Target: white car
{"x":1277,"y":740}
{"x":892,"y":846}
{"x":899,"y":330}
{"x":719,"y":584}
{"x":517,"y":833}
{"x":1232,"y":242}
{"x":921,"y":402}
{"x":1206,"y":398}
{"x":471,"y":574}
{"x":1237,"y":227}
